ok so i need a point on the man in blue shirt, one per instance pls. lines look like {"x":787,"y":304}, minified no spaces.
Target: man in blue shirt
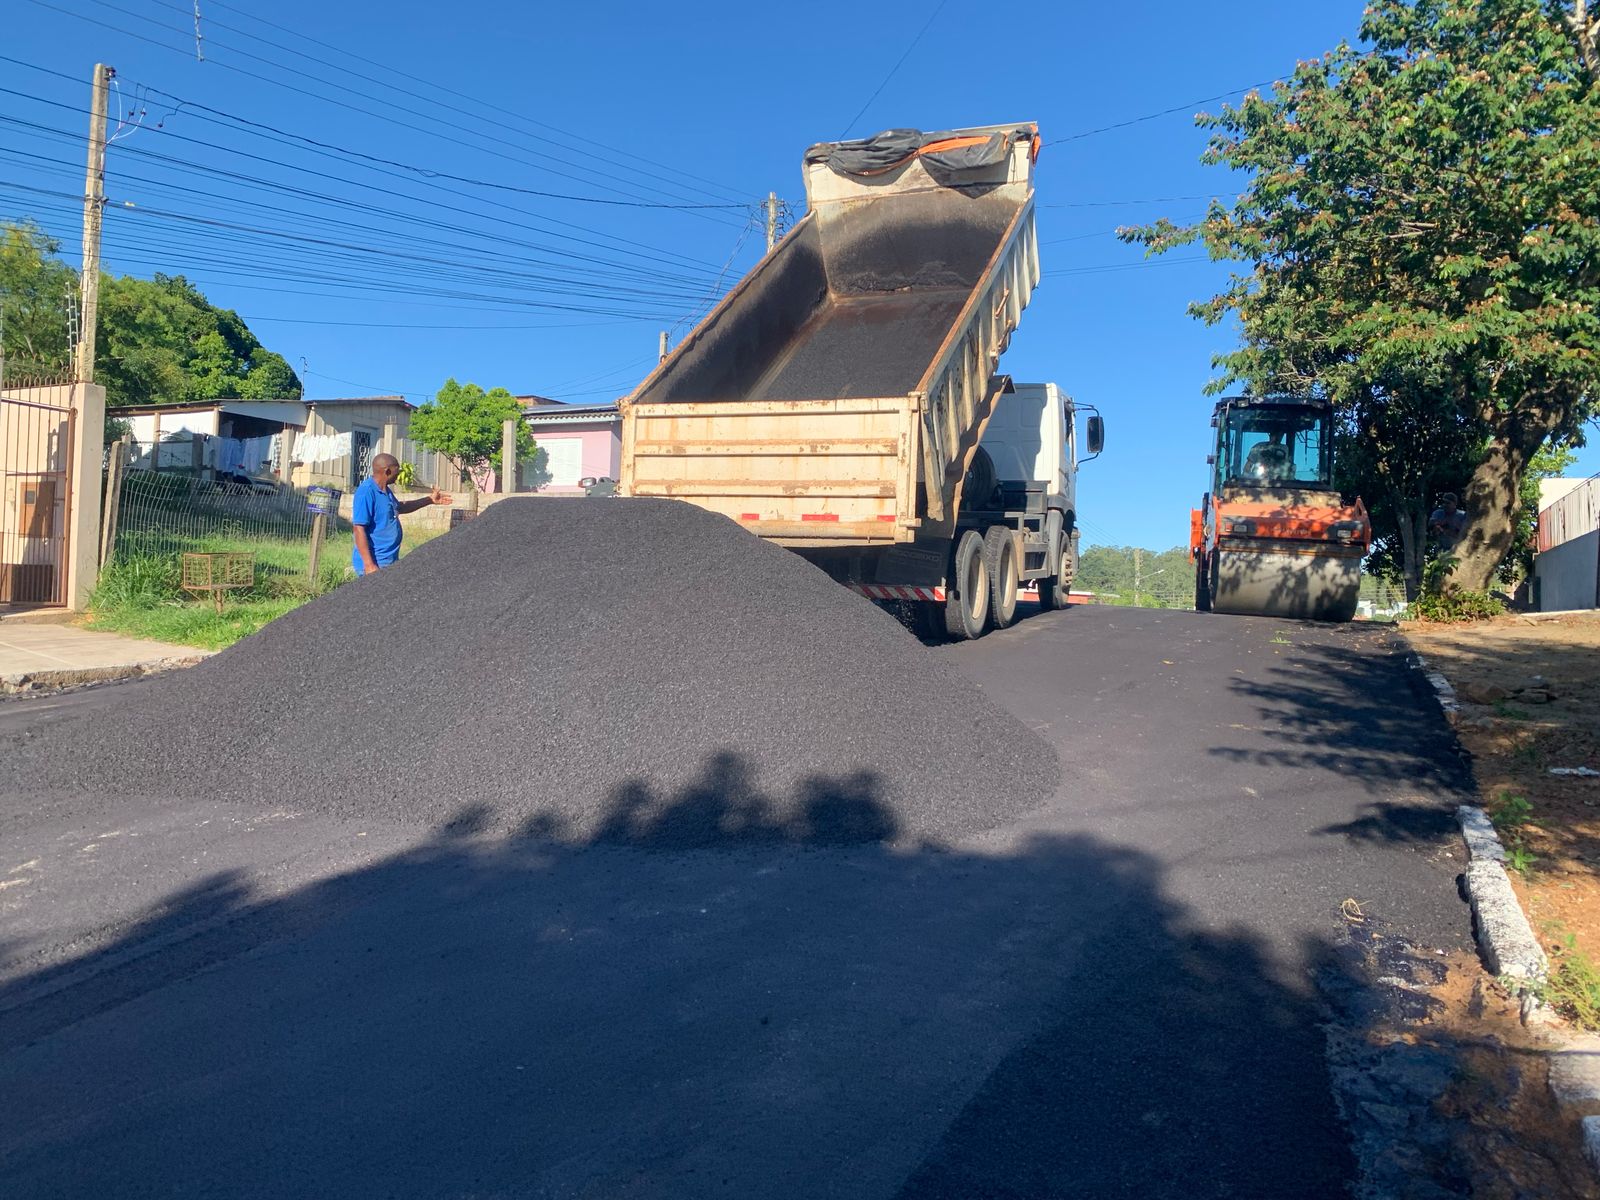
{"x":375,"y":514}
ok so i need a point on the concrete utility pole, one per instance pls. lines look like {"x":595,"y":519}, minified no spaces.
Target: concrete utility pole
{"x":94,"y":206}
{"x":663,"y":357}
{"x":508,"y":454}
{"x":1138,"y":572}
{"x":772,"y":220}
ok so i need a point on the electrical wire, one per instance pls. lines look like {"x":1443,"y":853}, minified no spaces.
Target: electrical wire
{"x":278,"y":81}
{"x":899,"y":62}
{"x":588,"y":143}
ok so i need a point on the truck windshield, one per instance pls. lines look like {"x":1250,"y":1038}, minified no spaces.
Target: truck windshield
{"x":1276,"y":446}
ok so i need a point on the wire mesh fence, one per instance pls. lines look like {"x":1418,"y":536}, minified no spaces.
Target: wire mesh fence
{"x":165,"y":509}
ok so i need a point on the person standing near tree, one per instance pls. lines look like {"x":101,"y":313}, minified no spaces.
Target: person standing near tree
{"x":1447,"y":521}
{"x":375,"y":513}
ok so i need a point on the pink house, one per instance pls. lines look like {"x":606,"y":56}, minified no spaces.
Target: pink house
{"x":575,"y":442}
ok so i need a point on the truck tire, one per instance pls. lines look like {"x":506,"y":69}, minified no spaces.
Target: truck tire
{"x":966,"y":606}
{"x":977,"y":492}
{"x":1202,"y":583}
{"x":1000,"y":561}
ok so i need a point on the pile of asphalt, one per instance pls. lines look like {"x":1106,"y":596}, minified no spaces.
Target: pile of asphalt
{"x":614,"y":670}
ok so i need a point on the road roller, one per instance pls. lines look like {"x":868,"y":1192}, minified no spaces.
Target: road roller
{"x":1274,"y":537}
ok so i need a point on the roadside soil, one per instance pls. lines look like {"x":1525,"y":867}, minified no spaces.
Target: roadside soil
{"x":1529,"y":690}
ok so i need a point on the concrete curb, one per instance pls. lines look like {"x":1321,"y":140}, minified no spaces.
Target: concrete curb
{"x":1441,"y":688}
{"x":1509,"y":948}
{"x":42,"y":681}
{"x":1505,"y":938}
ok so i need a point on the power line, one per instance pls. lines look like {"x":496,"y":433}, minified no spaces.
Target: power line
{"x":1165,"y":112}
{"x":900,"y":62}
{"x":520,"y":129}
{"x":520,"y":117}
{"x":324,"y":99}
{"x":326,"y":198}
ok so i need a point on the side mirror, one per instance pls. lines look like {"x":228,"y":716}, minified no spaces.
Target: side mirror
{"x":1097,"y":435}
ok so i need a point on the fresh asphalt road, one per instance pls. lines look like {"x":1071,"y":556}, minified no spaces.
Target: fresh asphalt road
{"x":1115,"y":996}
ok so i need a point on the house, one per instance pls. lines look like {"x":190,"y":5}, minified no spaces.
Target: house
{"x":342,"y":434}
{"x":575,"y":442}
{"x":196,"y":434}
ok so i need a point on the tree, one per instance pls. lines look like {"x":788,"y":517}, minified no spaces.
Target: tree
{"x":35,"y":289}
{"x":157,"y":339}
{"x":463,"y":422}
{"x":1123,"y":575}
{"x":161,"y":339}
{"x":1423,"y":220}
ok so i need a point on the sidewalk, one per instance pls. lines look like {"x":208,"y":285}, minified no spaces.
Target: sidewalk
{"x":48,"y":656}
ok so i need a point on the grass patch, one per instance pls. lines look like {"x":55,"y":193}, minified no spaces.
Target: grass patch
{"x":1573,"y":986}
{"x":139,"y":594}
{"x":1279,"y":640}
{"x":192,"y":624}
{"x":1511,"y":712}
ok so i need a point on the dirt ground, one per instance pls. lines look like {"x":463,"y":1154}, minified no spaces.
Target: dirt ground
{"x":1529,"y":689}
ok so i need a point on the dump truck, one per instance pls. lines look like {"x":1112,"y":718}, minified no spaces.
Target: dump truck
{"x":835,"y":400}
{"x":1274,"y":537}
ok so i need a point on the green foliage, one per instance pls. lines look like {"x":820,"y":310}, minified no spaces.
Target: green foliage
{"x":1165,"y":579}
{"x":34,"y":289}
{"x":158,"y":340}
{"x":161,"y":340}
{"x":1443,"y":601}
{"x":407,"y":476}
{"x":1422,"y":219}
{"x":463,"y":423}
{"x":1520,"y":858}
{"x":1572,"y":987}
{"x":1454,"y":605}
{"x":1510,"y":811}
{"x":141,"y":581}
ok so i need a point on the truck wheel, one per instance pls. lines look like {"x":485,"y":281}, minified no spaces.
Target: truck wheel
{"x":966,"y":606}
{"x":1000,"y":561}
{"x":1202,"y":584}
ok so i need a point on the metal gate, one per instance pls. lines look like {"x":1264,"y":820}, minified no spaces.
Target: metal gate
{"x":36,"y":441}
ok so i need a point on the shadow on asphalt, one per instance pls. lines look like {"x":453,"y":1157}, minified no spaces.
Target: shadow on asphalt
{"x":768,"y":1014}
{"x":1334,"y":706}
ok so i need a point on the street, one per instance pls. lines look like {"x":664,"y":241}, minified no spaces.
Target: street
{"x":1124,"y":992}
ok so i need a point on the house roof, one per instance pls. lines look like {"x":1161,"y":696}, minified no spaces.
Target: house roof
{"x":538,"y":401}
{"x":333,"y":401}
{"x":570,"y":414}
{"x":197,"y":405}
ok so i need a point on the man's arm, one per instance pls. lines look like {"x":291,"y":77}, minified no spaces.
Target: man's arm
{"x":411,"y":506}
{"x":364,"y":549}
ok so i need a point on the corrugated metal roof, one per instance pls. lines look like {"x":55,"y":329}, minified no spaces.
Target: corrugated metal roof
{"x":570,"y":414}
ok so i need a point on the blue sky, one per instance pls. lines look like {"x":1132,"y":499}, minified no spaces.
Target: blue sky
{"x":434,"y":256}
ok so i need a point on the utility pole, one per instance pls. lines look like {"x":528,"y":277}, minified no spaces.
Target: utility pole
{"x":94,"y":206}
{"x":663,"y":357}
{"x":772,"y":220}
{"x":1138,"y":572}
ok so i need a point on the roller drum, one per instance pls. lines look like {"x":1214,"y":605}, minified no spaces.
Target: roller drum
{"x":1318,"y":584}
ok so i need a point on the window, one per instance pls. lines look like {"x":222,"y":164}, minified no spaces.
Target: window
{"x":1276,"y":446}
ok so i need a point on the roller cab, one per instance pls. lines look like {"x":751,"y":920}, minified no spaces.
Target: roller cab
{"x":1273,"y":536}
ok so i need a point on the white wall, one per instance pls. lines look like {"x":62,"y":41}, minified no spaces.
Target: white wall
{"x":1568,"y":575}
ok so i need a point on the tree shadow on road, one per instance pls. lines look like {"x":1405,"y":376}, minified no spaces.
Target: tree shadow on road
{"x":712,"y":996}
{"x":1339,"y":703}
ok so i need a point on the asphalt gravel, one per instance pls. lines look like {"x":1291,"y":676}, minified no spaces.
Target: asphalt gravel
{"x":637,"y":671}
